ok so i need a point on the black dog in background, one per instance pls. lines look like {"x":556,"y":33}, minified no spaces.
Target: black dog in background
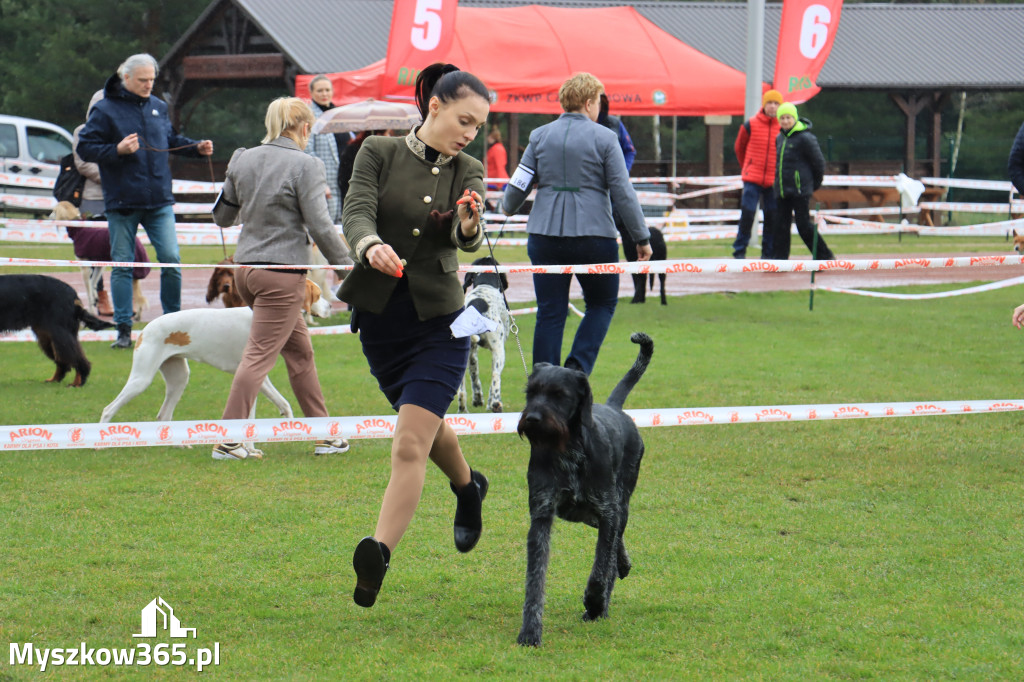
{"x":658,"y":252}
{"x":584,"y":463}
{"x":54,"y":313}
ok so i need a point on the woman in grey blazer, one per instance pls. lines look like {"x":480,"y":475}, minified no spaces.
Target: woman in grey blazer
{"x":277,"y":192}
{"x":578,"y":169}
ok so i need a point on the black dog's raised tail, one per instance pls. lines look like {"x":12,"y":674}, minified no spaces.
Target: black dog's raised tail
{"x":643,"y":358}
{"x":90,"y":320}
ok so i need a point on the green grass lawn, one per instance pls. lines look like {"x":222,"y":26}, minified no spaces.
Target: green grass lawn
{"x":833,"y":550}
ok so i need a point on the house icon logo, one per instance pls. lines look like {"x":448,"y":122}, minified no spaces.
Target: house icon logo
{"x":157,"y":615}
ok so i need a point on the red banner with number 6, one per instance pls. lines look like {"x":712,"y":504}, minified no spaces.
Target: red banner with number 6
{"x":421,"y":34}
{"x":806,"y":33}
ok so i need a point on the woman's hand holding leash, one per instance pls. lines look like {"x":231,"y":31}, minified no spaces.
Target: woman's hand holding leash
{"x":470,"y":217}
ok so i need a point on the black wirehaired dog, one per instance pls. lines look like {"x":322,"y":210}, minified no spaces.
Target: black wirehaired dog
{"x":658,"y":252}
{"x":488,"y":298}
{"x":584,"y":463}
{"x":54,"y":312}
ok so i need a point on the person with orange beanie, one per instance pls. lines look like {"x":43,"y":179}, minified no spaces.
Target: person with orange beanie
{"x":755,"y":150}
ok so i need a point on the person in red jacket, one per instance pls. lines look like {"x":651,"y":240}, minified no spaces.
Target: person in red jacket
{"x":755,"y":150}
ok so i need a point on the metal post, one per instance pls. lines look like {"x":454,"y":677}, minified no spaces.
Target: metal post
{"x":814,"y":256}
{"x":755,"y":58}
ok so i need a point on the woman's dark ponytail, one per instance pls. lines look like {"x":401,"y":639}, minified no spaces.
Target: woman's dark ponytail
{"x":445,"y":81}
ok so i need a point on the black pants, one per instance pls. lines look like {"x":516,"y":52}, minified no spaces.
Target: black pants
{"x":798,"y":208}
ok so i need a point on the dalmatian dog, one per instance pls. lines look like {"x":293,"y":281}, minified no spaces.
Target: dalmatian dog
{"x":485,"y":294}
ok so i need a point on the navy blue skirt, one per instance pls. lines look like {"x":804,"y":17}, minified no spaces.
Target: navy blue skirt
{"x":415,"y":362}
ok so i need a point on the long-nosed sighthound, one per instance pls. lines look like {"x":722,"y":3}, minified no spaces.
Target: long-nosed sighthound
{"x":584,"y":463}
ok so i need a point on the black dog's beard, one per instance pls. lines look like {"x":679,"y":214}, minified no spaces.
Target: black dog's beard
{"x":548,"y":431}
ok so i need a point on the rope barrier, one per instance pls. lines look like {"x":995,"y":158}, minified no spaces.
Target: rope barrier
{"x":695,"y":266}
{"x":214,"y":431}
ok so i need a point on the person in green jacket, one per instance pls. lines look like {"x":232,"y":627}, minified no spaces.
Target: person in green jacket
{"x":799,"y":172}
{"x":412,"y":203}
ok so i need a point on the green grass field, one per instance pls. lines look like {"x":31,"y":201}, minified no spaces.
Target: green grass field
{"x":835,"y":550}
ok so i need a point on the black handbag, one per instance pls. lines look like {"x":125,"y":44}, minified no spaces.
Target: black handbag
{"x":69,"y":183}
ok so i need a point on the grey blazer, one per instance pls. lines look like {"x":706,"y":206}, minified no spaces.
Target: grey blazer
{"x":576,"y":164}
{"x":280,"y":194}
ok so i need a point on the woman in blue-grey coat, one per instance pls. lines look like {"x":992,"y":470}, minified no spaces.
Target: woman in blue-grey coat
{"x":579,"y":171}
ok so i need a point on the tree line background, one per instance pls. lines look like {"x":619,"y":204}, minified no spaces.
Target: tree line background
{"x":55,"y":53}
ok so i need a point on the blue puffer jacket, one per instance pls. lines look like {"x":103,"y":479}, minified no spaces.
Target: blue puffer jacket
{"x":133,"y":181}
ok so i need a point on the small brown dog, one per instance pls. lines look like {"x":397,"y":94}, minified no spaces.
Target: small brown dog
{"x":1018,"y":242}
{"x":222,"y":285}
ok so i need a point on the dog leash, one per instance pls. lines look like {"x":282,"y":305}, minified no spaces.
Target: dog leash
{"x":512,"y":326}
{"x":213,"y":179}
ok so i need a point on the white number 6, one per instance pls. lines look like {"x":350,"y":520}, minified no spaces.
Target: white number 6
{"x":814,"y":30}
{"x":426,"y":25}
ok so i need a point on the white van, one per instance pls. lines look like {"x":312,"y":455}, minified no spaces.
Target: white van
{"x":31,"y":147}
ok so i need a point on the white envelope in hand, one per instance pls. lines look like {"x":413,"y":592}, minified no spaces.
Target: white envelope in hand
{"x":471,"y":322}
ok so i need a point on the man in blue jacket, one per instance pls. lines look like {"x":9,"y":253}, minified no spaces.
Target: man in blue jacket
{"x":128,"y":135}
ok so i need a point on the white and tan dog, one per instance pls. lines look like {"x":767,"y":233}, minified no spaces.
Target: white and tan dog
{"x":215,"y":336}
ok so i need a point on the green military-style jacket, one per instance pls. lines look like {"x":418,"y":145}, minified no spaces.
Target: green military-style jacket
{"x":390,"y":198}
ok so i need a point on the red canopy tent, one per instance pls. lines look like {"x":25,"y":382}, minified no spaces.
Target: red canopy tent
{"x":524,"y":54}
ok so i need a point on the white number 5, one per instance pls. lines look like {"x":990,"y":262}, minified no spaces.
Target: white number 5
{"x":814,"y":30}
{"x":426,"y":25}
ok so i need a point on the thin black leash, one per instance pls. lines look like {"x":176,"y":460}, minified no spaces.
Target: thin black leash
{"x":213,"y":178}
{"x":512,"y":326}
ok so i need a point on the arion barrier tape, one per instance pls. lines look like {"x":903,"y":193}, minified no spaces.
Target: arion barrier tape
{"x":177,"y":186}
{"x":1005,"y":207}
{"x":696,"y":266}
{"x":39,"y":202}
{"x":212,"y":431}
{"x":111,"y":334}
{"x":995,"y":185}
{"x":991,"y":286}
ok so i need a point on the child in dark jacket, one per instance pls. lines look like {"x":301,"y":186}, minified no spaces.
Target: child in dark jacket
{"x":799,"y":171}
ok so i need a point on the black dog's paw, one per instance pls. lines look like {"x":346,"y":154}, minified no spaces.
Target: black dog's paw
{"x":624,"y":564}
{"x":594,"y":601}
{"x":528,"y":637}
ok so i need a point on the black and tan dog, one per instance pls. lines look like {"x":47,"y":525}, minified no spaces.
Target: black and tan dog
{"x":584,"y":463}
{"x":54,"y":313}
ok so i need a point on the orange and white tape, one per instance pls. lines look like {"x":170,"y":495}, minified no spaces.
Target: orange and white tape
{"x":695,"y":266}
{"x":212,"y":432}
{"x":991,"y":286}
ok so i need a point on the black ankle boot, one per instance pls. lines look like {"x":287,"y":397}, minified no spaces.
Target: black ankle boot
{"x":124,"y":336}
{"x":468,"y":523}
{"x":371,"y":561}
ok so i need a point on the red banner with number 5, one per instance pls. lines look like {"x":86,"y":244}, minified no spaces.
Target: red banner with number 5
{"x":421,"y":34}
{"x":806,"y":34}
